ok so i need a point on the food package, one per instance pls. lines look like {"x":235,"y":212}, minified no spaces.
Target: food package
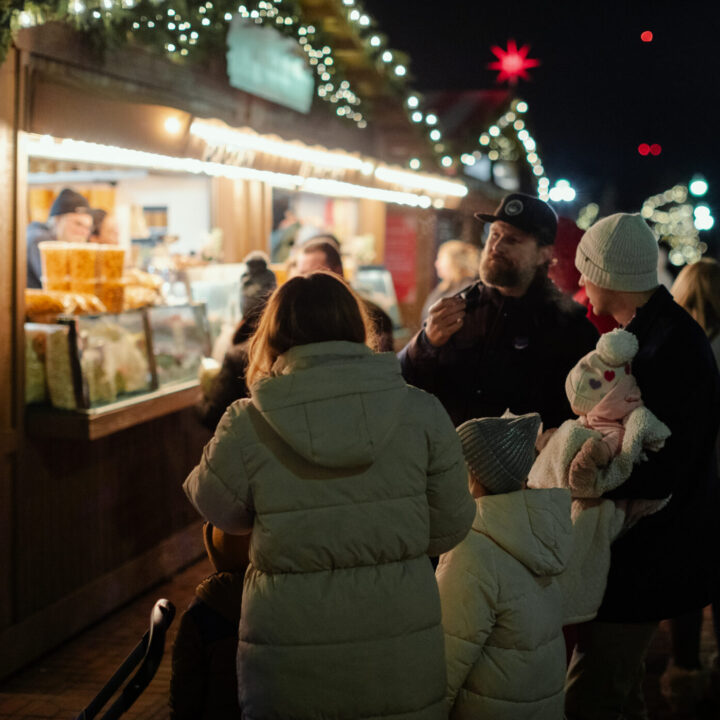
{"x":112,"y":295}
{"x":142,"y":289}
{"x":111,"y":261}
{"x":83,"y":261}
{"x":58,"y":370}
{"x":207,"y":372}
{"x":35,"y":381}
{"x":84,"y":287}
{"x":55,"y":263}
{"x":98,"y":371}
{"x":114,"y":361}
{"x":46,"y":305}
{"x":41,"y":304}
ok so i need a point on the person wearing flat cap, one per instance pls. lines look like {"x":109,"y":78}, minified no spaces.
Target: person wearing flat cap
{"x":503,"y":603}
{"x":509,"y":340}
{"x":70,"y":221}
{"x":666,"y":565}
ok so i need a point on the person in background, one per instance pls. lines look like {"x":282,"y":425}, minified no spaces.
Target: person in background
{"x":323,"y":255}
{"x":257,"y":282}
{"x":665,"y":565}
{"x":105,"y":228}
{"x":203,"y":683}
{"x":256,"y":285}
{"x":509,"y":340}
{"x":457,"y":264}
{"x":70,"y":221}
{"x":565,"y":275}
{"x":282,"y":239}
{"x":229,"y":384}
{"x":348,"y":479}
{"x":685,"y":681}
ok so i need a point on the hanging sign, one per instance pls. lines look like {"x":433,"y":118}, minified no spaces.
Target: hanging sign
{"x":266,"y":63}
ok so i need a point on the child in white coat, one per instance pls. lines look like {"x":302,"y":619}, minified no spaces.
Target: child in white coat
{"x":502,"y":605}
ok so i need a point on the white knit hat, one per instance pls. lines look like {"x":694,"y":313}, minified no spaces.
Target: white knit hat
{"x":499,"y":451}
{"x":619,"y":252}
{"x":600,"y":370}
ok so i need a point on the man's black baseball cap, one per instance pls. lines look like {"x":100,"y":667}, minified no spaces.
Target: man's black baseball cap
{"x":526,"y":213}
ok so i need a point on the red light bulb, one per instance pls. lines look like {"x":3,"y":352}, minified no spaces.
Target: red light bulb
{"x":643,"y":148}
{"x":655,"y":149}
{"x":646,"y":36}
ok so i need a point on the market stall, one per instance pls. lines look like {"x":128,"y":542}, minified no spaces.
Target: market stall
{"x":97,"y":427}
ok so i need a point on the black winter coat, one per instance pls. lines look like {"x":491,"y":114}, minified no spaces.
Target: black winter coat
{"x":510,"y":353}
{"x":203,"y":685}
{"x":667,"y":564}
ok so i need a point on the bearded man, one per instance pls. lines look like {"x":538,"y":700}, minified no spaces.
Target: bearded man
{"x":509,"y":340}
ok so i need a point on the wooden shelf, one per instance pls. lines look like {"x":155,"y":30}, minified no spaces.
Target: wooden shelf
{"x":42,"y":421}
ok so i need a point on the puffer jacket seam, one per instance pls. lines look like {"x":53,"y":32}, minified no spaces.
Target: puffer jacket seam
{"x":354,"y":642}
{"x":268,"y":513}
{"x":339,"y":568}
{"x":488,"y":696}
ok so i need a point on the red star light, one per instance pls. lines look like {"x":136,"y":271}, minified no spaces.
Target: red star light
{"x":512,"y":63}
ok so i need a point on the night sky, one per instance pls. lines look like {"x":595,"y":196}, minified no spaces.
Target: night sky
{"x":599,"y":92}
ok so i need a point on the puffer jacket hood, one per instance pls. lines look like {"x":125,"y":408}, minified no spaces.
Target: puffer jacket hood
{"x":335,"y":403}
{"x":540,"y":538}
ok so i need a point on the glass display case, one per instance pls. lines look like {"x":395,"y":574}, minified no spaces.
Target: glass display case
{"x":180,"y":338}
{"x":114,"y":356}
{"x":93,"y":361}
{"x":374,"y":283}
{"x":218,"y":286}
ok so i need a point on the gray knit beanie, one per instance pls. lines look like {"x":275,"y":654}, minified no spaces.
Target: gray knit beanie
{"x":499,"y":451}
{"x":619,"y":252}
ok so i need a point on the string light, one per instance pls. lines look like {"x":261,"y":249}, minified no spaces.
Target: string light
{"x":79,"y":151}
{"x":677,"y":223}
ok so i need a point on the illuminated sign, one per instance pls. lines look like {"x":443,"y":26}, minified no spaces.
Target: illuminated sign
{"x":262,"y":61}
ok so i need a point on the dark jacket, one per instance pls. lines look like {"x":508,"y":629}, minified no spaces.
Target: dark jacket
{"x":36,"y":233}
{"x":510,"y":353}
{"x":666,"y":564}
{"x":203,"y":685}
{"x":227,"y":386}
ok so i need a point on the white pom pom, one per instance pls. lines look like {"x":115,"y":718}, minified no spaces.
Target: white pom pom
{"x":617,"y":347}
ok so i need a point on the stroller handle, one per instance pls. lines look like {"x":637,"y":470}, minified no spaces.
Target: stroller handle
{"x":148,"y":652}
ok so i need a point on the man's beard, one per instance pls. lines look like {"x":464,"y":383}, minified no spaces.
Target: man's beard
{"x":499,"y":271}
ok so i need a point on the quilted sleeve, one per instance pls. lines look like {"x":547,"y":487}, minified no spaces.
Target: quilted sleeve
{"x":452,"y":508}
{"x":468,"y":616}
{"x":219,"y":487}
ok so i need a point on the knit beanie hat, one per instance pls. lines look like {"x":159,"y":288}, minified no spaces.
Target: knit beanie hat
{"x":499,"y":451}
{"x":619,"y":252}
{"x":69,"y":201}
{"x":256,"y":283}
{"x":600,"y":370}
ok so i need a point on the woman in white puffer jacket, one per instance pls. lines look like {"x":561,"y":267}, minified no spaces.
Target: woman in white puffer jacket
{"x":348,"y":479}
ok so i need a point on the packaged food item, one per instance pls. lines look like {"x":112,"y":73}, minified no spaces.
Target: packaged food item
{"x":112,"y":295}
{"x":84,"y":287}
{"x":46,"y":305}
{"x":35,"y":381}
{"x":55,"y":262}
{"x":111,"y":261}
{"x":58,"y":369}
{"x":137,"y":296}
{"x":133,"y":276}
{"x":41,"y":304}
{"x":83,"y":261}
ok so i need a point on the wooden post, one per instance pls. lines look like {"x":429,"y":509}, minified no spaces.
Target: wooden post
{"x":12,"y":285}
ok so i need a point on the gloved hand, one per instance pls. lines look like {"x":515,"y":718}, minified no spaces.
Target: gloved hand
{"x":593,"y":455}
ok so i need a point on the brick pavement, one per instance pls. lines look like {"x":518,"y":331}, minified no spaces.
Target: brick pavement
{"x":60,"y":684}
